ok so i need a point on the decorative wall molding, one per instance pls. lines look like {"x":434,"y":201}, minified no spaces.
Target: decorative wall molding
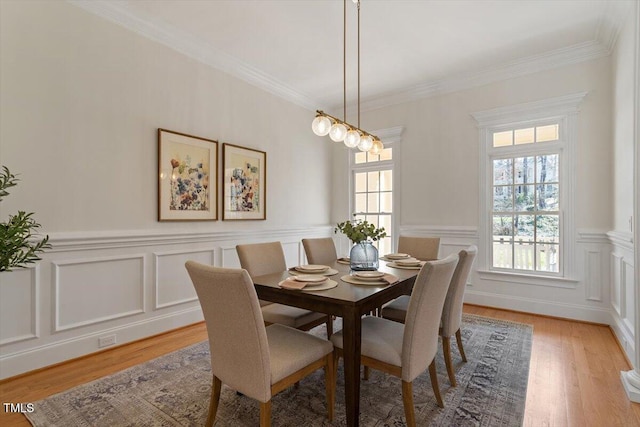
{"x":440,"y":231}
{"x":84,"y":281}
{"x":592,"y":236}
{"x":617,"y":296}
{"x":170,"y":294}
{"x":33,"y":281}
{"x":621,"y":239}
{"x":593,"y":271}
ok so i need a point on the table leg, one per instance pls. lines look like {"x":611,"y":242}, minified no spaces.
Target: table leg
{"x":352,"y":324}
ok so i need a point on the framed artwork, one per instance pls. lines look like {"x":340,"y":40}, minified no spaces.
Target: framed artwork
{"x":245,"y":185}
{"x":187,"y":177}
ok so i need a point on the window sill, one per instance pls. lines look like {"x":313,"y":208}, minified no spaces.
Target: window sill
{"x":528,"y":279}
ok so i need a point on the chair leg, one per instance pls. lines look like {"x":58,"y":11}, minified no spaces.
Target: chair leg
{"x":407,"y":400}
{"x":329,"y":326}
{"x":366,"y":373}
{"x":434,"y":383}
{"x":215,"y":399}
{"x":265,"y":414}
{"x":459,"y":340}
{"x":446,"y":350}
{"x":330,"y":386}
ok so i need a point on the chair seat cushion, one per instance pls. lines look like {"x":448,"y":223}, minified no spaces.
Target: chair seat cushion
{"x":291,"y":350}
{"x":289,"y":316}
{"x":396,"y":309}
{"x":381,"y":340}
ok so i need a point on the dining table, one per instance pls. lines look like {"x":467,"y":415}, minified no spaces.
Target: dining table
{"x":346,"y":300}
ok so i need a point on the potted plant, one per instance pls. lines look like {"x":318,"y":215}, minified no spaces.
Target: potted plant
{"x":363,"y":255}
{"x":18,"y":245}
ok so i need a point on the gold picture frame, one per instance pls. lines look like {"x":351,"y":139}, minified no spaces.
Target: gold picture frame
{"x":187,"y":177}
{"x":244,"y":183}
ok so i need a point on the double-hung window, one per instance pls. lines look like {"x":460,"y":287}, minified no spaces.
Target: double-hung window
{"x":526,"y":187}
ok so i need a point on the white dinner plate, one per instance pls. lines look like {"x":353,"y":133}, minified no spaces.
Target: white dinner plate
{"x":408,"y":262}
{"x":369,"y":274}
{"x":397,"y":256}
{"x":312,"y":278}
{"x":312,"y":268}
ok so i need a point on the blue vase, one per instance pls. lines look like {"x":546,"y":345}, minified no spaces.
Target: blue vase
{"x":364,"y":256}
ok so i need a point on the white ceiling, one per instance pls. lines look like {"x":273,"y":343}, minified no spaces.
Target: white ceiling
{"x":409,"y":48}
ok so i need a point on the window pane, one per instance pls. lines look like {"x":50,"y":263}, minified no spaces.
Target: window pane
{"x":385,"y":221}
{"x":373,"y":202}
{"x":502,"y":254}
{"x":523,"y":170}
{"x":361,"y":157}
{"x":547,"y":168}
{"x":502,"y":227}
{"x":524,"y":136}
{"x":524,"y":198}
{"x":386,"y":180}
{"x":503,"y":199}
{"x":547,"y":133}
{"x":372,"y":219}
{"x":523,"y":255}
{"x":502,"y":170}
{"x":386,"y":202}
{"x":547,"y":258}
{"x":384,"y":246}
{"x":548,"y":197}
{"x":548,"y":228}
{"x":386,"y":154}
{"x":361,"y":202}
{"x":359,"y":217}
{"x":524,"y":228}
{"x":503,"y":139}
{"x":373,"y":179}
{"x":372,"y":157}
{"x":361,"y":182}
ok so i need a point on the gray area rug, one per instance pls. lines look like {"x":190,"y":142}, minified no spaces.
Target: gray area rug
{"x":174,"y":390}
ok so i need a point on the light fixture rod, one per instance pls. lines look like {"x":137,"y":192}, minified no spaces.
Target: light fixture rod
{"x":358,"y":6}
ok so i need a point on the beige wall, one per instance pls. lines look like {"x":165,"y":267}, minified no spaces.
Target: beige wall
{"x":82,"y":99}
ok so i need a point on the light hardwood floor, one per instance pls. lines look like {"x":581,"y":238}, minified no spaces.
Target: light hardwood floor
{"x":574,"y":376}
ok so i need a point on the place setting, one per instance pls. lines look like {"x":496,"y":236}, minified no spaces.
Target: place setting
{"x":369,"y":278}
{"x":308,"y":282}
{"x":312,"y":269}
{"x":403,"y":261}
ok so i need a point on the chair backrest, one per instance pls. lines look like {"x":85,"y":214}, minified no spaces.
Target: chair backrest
{"x":237,"y":335}
{"x":452,"y":310}
{"x":423,"y":248}
{"x":420,"y":340}
{"x":320,"y":251}
{"x":262,"y":258}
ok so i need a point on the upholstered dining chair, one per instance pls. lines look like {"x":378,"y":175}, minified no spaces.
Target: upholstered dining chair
{"x":406,"y":350}
{"x":320,"y":251}
{"x":256,"y":360}
{"x":422,"y":248}
{"x":267,"y":258}
{"x":452,"y":310}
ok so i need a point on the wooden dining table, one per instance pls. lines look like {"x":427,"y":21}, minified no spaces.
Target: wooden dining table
{"x":348,"y":301}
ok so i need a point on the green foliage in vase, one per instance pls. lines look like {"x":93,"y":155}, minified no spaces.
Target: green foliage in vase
{"x":359,"y":231}
{"x":18,"y":245}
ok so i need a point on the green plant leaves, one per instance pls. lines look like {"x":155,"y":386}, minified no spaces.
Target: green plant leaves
{"x":358,"y":231}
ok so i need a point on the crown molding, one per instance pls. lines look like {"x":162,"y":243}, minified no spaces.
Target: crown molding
{"x":192,"y":47}
{"x":609,"y":27}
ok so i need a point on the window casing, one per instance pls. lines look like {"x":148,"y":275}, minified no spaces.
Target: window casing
{"x":527,"y":186}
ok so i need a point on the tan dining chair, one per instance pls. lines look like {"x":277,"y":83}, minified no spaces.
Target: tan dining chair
{"x":423,"y":248}
{"x":266,"y":258}
{"x":256,"y":360}
{"x":320,"y":251}
{"x":406,"y":350}
{"x":451,"y":319}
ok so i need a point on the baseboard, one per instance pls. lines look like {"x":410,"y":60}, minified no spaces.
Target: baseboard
{"x":50,"y":354}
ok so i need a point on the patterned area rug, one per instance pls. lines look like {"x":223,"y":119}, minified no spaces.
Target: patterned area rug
{"x":174,"y":390}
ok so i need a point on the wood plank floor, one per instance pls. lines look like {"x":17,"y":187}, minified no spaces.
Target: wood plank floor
{"x":574,"y":376}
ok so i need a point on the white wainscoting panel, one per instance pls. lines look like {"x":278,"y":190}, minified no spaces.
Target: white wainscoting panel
{"x":89,"y":291}
{"x":19,"y":305}
{"x":172,"y":283}
{"x":629,"y":293}
{"x":593,"y":279}
{"x":617,"y":296}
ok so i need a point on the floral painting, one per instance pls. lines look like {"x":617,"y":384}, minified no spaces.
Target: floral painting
{"x":244,"y":183}
{"x":187,"y":173}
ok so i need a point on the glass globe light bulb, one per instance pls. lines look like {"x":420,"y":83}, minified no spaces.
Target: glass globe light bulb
{"x":376,"y":148}
{"x":321,"y":125}
{"x":366,"y":142}
{"x":352,"y":139}
{"x":338,"y":132}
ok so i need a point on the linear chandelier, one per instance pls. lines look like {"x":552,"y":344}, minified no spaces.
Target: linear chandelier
{"x":339,"y":130}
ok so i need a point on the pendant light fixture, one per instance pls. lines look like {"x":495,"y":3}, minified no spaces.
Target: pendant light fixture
{"x":339,"y":130}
